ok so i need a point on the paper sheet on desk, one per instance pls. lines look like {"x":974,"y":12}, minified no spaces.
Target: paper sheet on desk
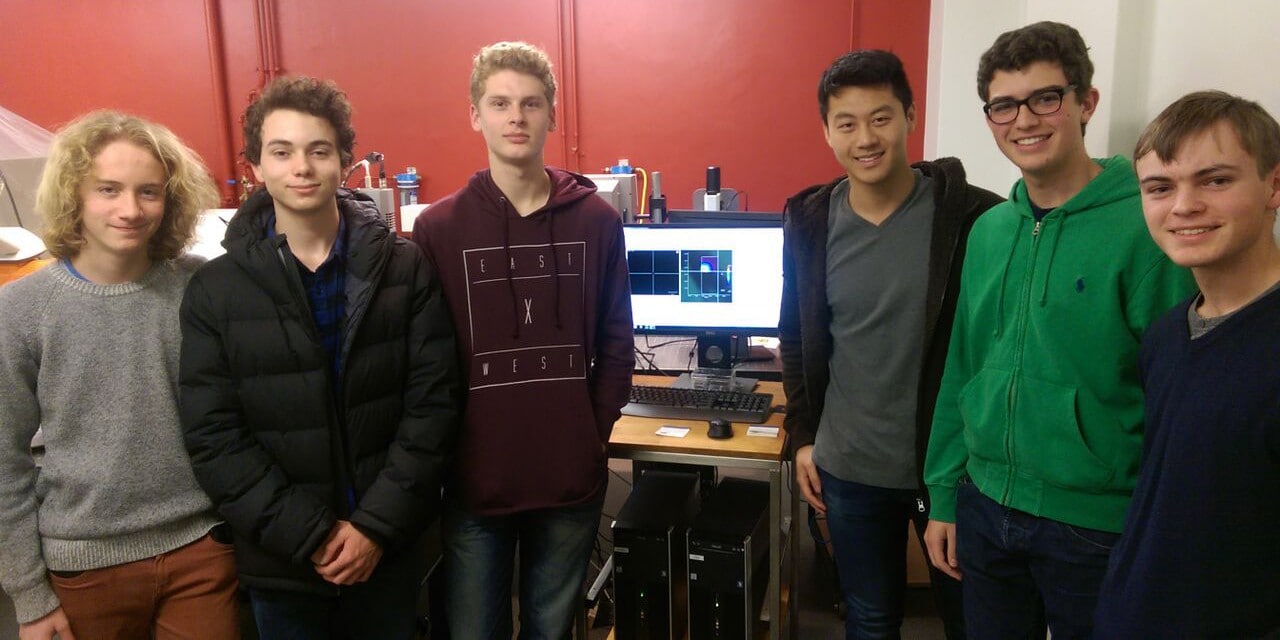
{"x":764,"y":432}
{"x":673,"y":432}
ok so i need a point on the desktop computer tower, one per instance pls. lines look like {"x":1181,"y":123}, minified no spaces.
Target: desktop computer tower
{"x":650,"y":568}
{"x":729,"y":561}
{"x":706,"y":473}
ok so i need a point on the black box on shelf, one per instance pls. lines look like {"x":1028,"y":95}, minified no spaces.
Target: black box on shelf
{"x":649,"y":550}
{"x":728,"y":545}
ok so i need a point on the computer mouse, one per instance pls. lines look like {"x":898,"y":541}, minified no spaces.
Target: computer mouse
{"x":719,"y":429}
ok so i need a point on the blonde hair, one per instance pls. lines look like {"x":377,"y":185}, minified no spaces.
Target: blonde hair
{"x":520,"y":57}
{"x":188,"y":189}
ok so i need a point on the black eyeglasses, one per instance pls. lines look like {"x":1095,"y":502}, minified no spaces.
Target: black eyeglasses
{"x":1042,"y":103}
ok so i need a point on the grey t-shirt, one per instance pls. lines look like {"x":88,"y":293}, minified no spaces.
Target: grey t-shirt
{"x":1200,"y":325}
{"x":877,"y":280}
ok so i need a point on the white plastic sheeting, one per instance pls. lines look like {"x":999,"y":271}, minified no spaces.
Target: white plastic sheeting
{"x":23,"y":149}
{"x":21,"y":138}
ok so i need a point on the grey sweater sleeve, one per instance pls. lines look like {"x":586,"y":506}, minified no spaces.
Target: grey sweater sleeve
{"x":23,"y":574}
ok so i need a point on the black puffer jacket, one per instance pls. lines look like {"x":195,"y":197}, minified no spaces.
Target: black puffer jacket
{"x":270,"y":442}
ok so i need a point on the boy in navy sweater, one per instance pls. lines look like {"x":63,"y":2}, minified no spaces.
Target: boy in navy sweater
{"x":1198,"y":557}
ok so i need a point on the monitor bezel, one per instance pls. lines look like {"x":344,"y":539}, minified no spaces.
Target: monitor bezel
{"x":730,"y":218}
{"x":704,"y":331}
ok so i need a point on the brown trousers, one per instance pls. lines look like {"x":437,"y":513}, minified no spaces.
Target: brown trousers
{"x":188,"y":593}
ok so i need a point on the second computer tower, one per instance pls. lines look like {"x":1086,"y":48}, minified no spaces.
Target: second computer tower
{"x":649,"y":569}
{"x":729,"y":561}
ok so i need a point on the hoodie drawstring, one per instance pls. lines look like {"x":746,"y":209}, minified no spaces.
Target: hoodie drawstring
{"x":1053,"y":250}
{"x":555,"y":264}
{"x":1004,"y":278}
{"x":511,"y":283}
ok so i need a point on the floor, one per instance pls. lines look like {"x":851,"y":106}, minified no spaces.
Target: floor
{"x":818,"y":618}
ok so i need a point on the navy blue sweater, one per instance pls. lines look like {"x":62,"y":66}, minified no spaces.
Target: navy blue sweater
{"x":1200,"y":556}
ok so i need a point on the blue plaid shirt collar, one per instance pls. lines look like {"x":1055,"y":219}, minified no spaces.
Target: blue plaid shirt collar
{"x":337,"y":252}
{"x":326,"y":294}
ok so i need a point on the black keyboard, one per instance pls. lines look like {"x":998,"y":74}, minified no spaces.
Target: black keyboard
{"x":698,"y":404}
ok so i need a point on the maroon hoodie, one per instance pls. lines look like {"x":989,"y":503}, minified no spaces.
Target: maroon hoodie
{"x":543,"y":313}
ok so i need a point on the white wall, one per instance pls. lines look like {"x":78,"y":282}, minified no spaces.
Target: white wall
{"x":1232,"y":47}
{"x":1146,"y":53}
{"x":959,"y":32}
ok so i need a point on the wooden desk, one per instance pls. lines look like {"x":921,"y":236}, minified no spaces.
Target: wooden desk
{"x":633,"y":438}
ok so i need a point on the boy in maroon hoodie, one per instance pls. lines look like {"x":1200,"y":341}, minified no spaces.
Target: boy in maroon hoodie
{"x":534,"y":270}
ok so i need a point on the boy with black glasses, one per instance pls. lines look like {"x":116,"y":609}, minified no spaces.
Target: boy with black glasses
{"x":1038,"y":428}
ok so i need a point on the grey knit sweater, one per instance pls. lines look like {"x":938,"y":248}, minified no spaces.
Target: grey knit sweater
{"x":96,"y":368}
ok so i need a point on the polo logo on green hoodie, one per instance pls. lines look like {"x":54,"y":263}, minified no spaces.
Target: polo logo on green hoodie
{"x":1079,"y":285}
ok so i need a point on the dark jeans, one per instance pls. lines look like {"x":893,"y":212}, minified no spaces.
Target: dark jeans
{"x":1020,"y":570}
{"x":382,"y":607}
{"x":869,"y":534}
{"x":555,"y":547}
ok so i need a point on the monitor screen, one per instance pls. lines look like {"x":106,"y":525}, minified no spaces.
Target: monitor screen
{"x":704,"y":278}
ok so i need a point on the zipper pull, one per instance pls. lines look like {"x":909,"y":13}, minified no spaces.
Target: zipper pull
{"x":1035,"y":231}
{"x":920,"y":504}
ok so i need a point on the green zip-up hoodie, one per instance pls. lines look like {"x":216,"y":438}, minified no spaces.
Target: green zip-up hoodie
{"x":1041,"y":404}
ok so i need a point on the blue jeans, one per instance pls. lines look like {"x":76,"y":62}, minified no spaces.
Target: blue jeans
{"x":382,"y":607}
{"x":1020,"y":570}
{"x":555,"y":547}
{"x":869,"y":535}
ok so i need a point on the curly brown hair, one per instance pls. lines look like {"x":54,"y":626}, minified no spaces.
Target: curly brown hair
{"x":1052,"y":42}
{"x":320,"y":98}
{"x":188,"y":189}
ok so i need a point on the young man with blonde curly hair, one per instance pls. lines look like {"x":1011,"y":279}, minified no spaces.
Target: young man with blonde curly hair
{"x":111,"y":537}
{"x":534,"y":269}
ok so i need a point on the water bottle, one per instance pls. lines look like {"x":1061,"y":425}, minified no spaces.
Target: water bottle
{"x":408,"y":183}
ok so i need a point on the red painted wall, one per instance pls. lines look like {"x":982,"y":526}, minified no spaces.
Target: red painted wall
{"x":59,"y":60}
{"x":672,"y":85}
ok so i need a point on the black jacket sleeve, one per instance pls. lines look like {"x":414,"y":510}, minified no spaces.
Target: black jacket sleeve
{"x":242,"y":479}
{"x":405,"y":497}
{"x":799,"y":422}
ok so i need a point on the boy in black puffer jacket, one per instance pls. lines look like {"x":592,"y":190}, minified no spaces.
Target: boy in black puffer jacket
{"x":319,"y":383}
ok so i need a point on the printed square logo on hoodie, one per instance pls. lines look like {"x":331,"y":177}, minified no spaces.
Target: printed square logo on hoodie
{"x":534,"y":287}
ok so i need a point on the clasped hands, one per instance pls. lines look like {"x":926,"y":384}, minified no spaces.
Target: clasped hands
{"x":346,"y":556}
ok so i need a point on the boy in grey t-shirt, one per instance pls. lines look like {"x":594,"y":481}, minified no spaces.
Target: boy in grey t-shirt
{"x":871,"y":265}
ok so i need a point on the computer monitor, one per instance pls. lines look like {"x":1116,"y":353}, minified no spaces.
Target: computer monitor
{"x":700,"y":216}
{"x":719,"y":282}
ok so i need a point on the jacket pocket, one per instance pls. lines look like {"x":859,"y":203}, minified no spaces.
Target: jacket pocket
{"x":984,"y":407}
{"x":1049,"y":443}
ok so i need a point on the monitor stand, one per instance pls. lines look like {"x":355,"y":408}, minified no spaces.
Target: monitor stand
{"x":723,"y":350}
{"x":720,"y":379}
